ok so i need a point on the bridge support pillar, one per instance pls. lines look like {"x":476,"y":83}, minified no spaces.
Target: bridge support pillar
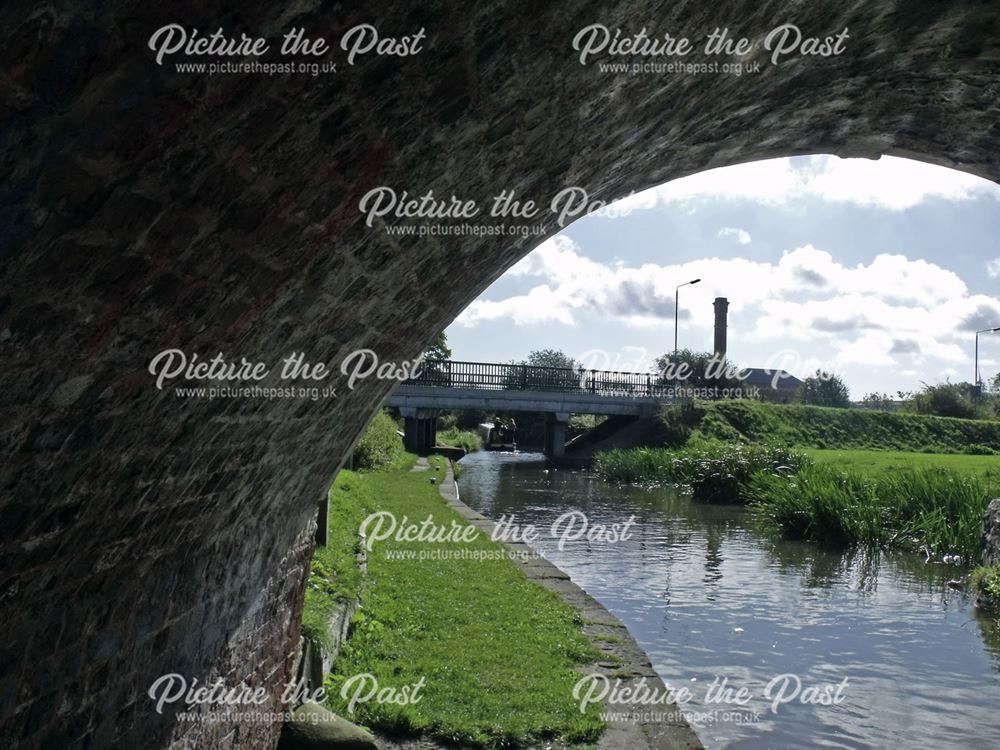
{"x":555,"y":434}
{"x":419,"y":429}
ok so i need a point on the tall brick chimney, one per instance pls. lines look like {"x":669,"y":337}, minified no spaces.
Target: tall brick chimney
{"x":721,"y":305}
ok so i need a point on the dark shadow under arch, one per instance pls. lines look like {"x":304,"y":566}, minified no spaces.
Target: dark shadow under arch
{"x":144,"y":210}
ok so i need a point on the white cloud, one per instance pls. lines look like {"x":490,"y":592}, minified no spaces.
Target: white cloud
{"x":891,"y":311}
{"x":540,"y":305}
{"x":888,"y":183}
{"x":557,"y":259}
{"x":742,"y":236}
{"x":993,"y":268}
{"x":871,"y":350}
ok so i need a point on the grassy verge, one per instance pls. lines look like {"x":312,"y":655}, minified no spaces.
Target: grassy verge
{"x":459,"y":439}
{"x":334,"y":575}
{"x":820,"y":427}
{"x":868,"y":462}
{"x":497,"y":652}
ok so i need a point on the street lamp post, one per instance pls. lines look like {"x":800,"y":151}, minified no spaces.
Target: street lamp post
{"x":677,"y":297}
{"x":978,"y":382}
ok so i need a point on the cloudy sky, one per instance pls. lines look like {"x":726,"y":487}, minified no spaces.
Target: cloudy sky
{"x":878,"y":270}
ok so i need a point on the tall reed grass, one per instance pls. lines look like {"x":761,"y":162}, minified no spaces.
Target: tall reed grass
{"x":908,"y":508}
{"x":716,"y":472}
{"x":940,"y":508}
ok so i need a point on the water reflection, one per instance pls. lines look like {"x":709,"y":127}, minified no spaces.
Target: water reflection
{"x":709,"y":593}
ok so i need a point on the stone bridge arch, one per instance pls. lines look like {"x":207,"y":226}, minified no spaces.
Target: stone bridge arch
{"x":145,"y":209}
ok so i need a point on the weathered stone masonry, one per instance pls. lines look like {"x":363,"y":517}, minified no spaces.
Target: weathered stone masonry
{"x":144,"y":209}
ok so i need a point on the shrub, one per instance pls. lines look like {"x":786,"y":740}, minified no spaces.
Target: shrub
{"x":721,"y":473}
{"x":824,"y":389}
{"x":465,"y":439}
{"x":986,"y":582}
{"x":716,"y":472}
{"x":380,"y":445}
{"x":978,"y":449}
{"x":948,"y":400}
{"x":819,"y":504}
{"x":632,"y":465}
{"x":678,"y":423}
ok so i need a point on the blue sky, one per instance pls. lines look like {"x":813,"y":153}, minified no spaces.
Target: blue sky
{"x":877,"y":270}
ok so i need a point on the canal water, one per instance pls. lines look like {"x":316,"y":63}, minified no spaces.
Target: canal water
{"x":711,"y":596}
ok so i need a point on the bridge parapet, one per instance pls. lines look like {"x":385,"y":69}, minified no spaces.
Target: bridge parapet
{"x":554,"y":391}
{"x":493,"y":376}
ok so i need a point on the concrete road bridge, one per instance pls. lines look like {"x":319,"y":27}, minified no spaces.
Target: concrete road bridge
{"x":557,"y":392}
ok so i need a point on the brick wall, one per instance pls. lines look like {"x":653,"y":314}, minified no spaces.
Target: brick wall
{"x":144,"y":209}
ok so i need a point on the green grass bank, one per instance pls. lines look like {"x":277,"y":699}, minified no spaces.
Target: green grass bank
{"x":840,"y":497}
{"x":334,"y":575}
{"x":871,"y":462}
{"x":497,"y":653}
{"x":828,"y":428}
{"x":844,"y":476}
{"x":466,"y":439}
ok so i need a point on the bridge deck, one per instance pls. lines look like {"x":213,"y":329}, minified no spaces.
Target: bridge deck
{"x":443,"y":384}
{"x":408,"y":395}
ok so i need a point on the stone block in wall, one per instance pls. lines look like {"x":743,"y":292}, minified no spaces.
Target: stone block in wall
{"x":991,"y":534}
{"x":313,"y":660}
{"x":314,"y":727}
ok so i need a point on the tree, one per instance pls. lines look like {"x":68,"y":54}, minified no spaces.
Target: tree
{"x":544,"y":369}
{"x":439,"y":348}
{"x":698,"y":370}
{"x":551,"y":358}
{"x":824,"y":389}
{"x":434,"y":367}
{"x":881,"y":401}
{"x":948,"y":400}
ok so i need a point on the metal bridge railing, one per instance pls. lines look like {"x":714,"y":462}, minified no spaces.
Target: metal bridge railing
{"x":514,"y":377}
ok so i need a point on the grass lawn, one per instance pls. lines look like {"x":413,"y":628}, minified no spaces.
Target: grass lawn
{"x":987,"y":467}
{"x":497,"y":652}
{"x":456,"y":438}
{"x":334,"y":575}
